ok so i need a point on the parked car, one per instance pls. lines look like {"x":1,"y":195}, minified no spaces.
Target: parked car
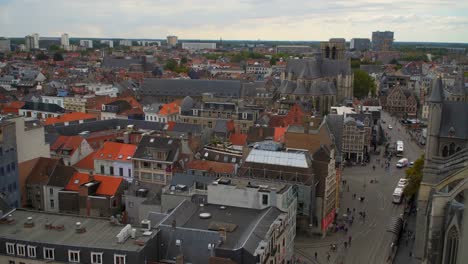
{"x":402,"y":163}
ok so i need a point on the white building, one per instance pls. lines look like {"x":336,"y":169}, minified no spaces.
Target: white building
{"x":115,"y":159}
{"x":103,"y":89}
{"x":149,"y":43}
{"x":65,"y":41}
{"x":194,"y":46}
{"x":53,"y":100}
{"x":28,"y":43}
{"x":107,"y":42}
{"x":86,"y":43}
{"x":125,"y":42}
{"x":258,"y":68}
{"x":30,"y":140}
{"x":36,"y":40}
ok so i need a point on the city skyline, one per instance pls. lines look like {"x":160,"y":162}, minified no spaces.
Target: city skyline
{"x":416,"y":20}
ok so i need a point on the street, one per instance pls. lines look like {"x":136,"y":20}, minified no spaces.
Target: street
{"x":368,"y":245}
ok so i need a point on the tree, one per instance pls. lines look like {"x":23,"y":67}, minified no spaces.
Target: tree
{"x":171,"y":64}
{"x":58,"y":56}
{"x":183,"y":61}
{"x":42,"y":56}
{"x":363,"y":83}
{"x":54,"y":47}
{"x":273,"y":61}
{"x":414,"y":176}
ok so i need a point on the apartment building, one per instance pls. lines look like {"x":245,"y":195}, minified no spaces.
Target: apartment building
{"x":208,"y":114}
{"x":35,"y":237}
{"x":155,"y":158}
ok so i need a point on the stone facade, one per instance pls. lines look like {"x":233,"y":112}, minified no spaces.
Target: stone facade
{"x":399,"y":102}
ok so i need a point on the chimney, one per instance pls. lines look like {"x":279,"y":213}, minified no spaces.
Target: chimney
{"x":91,"y":176}
{"x":29,"y":222}
{"x":79,"y":229}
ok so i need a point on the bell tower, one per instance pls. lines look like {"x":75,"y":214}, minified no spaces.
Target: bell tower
{"x":435,"y":102}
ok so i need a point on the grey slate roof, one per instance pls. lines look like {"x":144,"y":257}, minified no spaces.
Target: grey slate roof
{"x":301,"y":88}
{"x":437,"y":93}
{"x":317,"y":68}
{"x":335,"y":125}
{"x":43,"y":107}
{"x":185,"y":128}
{"x":260,"y":231}
{"x":148,"y":143}
{"x":190,"y":179}
{"x":102,"y":125}
{"x":61,"y":175}
{"x":187,"y":104}
{"x":182,"y":88}
{"x":454,"y":114}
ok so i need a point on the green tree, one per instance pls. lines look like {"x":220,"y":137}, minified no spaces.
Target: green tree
{"x":183,"y":61}
{"x":54,"y":48}
{"x":362,"y":84}
{"x":355,"y":63}
{"x":273,"y":61}
{"x":414,"y":176}
{"x":171,"y":64}
{"x":58,"y":56}
{"x":42,"y":56}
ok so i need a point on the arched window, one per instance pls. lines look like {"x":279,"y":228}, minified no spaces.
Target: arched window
{"x":327,"y":52}
{"x":445,"y":151}
{"x":452,"y":149}
{"x":333,"y":55}
{"x":451,"y":248}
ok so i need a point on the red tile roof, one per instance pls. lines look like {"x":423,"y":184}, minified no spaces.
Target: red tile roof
{"x":238,"y":139}
{"x":108,"y":185}
{"x":75,"y":116}
{"x":116,"y":151}
{"x":87,"y":163}
{"x":67,"y":142}
{"x":279,"y":134}
{"x":213,"y":166}
{"x":11,"y":107}
{"x":170,"y":108}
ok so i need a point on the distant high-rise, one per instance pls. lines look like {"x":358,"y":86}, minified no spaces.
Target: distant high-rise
{"x":29,"y":42}
{"x":360,"y":44}
{"x":36,"y":40}
{"x":107,"y":42}
{"x":65,"y":41}
{"x":125,"y":42}
{"x":172,"y":41}
{"x":86,"y":43}
{"x":382,"y":41}
{"x":4,"y":44}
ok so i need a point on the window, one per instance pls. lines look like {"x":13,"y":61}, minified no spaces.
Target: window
{"x":51,"y":191}
{"x":49,"y":253}
{"x":73,"y":256}
{"x":121,"y":171}
{"x":129,"y":172}
{"x":21,"y":250}
{"x":111,"y":170}
{"x":244,"y":115}
{"x":10,"y":248}
{"x":96,"y":258}
{"x":265,"y":199}
{"x":119,"y":259}
{"x":31,"y":251}
{"x":102,"y":169}
{"x":52,"y":203}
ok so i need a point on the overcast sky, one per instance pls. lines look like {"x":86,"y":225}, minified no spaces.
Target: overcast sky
{"x":411,"y":20}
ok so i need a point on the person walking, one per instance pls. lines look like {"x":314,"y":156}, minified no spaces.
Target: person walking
{"x":349,"y":240}
{"x":328,"y":257}
{"x":316,"y":255}
{"x":345,"y":244}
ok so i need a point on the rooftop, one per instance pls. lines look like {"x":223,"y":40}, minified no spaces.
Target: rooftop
{"x":75,"y":116}
{"x":108,"y":185}
{"x":281,"y":158}
{"x":100,"y":233}
{"x":116,"y":151}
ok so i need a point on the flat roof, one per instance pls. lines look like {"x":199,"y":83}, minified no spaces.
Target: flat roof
{"x":281,"y":158}
{"x":100,"y":233}
{"x":244,"y":220}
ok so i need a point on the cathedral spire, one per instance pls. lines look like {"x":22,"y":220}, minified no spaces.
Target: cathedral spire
{"x":437,"y":93}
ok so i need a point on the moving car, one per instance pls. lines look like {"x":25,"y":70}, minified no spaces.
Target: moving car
{"x":390,"y":127}
{"x":402,"y":163}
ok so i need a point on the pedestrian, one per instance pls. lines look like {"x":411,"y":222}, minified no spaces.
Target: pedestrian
{"x":349,"y":240}
{"x":346,"y":230}
{"x":354,"y":210}
{"x":345,"y":244}
{"x":315,"y":255}
{"x":411,"y":254}
{"x":347,"y":210}
{"x":328,"y":257}
{"x":354,"y":196}
{"x":348,"y":188}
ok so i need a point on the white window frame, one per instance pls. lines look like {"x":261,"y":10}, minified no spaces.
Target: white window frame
{"x":244,"y":115}
{"x":116,"y":256}
{"x":70,"y":252}
{"x":96,"y":254}
{"x":10,"y":248}
{"x":32,"y":249}
{"x":52,"y":253}
{"x":23,"y":249}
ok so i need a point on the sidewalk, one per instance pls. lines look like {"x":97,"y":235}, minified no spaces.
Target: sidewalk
{"x":404,"y":248}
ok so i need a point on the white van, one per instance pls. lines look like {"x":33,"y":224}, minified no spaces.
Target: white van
{"x":402,"y":163}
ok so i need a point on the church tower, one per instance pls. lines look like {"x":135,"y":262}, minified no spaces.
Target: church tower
{"x":435,"y":101}
{"x":333,"y":49}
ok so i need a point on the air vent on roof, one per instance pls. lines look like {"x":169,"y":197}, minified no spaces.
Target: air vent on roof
{"x":29,"y":222}
{"x":222,"y":207}
{"x":79,"y":229}
{"x":110,"y":155}
{"x":120,"y":156}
